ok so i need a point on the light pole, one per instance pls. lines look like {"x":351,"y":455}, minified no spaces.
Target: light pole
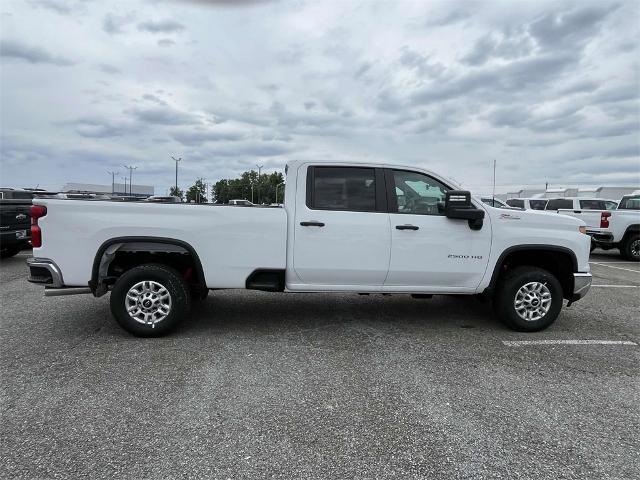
{"x":113,"y":180}
{"x":125,"y":184}
{"x":176,"y":160}
{"x":259,"y":172}
{"x":277,"y":186}
{"x":131,"y":169}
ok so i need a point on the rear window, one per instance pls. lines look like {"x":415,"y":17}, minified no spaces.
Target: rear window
{"x":342,"y":188}
{"x":629,"y":203}
{"x":593,"y":204}
{"x":538,"y":204}
{"x":557,"y":204}
{"x":514,"y":202}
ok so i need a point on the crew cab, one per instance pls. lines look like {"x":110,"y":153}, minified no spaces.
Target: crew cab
{"x":344,"y":227}
{"x":620,"y":228}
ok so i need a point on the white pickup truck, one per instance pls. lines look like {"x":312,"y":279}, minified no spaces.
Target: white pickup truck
{"x":620,"y":228}
{"x":344,"y":227}
{"x":589,"y":210}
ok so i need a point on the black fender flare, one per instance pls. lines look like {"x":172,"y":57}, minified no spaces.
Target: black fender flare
{"x":93,"y":283}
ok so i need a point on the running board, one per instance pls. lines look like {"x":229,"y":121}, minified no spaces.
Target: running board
{"x":55,"y":292}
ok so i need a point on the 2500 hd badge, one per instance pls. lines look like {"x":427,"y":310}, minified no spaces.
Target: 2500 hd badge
{"x":464,"y":257}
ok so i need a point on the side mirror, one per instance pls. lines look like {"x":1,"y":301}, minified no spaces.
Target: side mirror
{"x":457,"y":205}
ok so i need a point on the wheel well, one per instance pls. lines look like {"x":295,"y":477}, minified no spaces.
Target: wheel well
{"x":631,"y":229}
{"x":561,"y":263}
{"x":117,"y":256}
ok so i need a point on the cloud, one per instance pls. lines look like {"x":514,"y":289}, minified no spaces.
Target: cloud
{"x":100,"y":128}
{"x":109,"y":69}
{"x":163,"y":116}
{"x":114,"y":24}
{"x":161,"y":26}
{"x":20,"y":51}
{"x":166,"y":42}
{"x":570,"y":29}
{"x":61,"y":7}
{"x":198,"y":137}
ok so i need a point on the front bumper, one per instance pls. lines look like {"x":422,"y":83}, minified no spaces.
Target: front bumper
{"x":581,"y":285}
{"x":44,"y":272}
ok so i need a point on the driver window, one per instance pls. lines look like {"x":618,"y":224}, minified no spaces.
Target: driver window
{"x":418,"y":194}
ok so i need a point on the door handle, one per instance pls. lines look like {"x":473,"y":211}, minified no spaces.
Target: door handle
{"x":407,"y":227}
{"x":312,"y":223}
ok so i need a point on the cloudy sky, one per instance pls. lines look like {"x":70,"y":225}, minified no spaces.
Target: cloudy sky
{"x":551,"y":90}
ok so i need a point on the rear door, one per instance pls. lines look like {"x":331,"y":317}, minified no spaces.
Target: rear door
{"x":428,"y":250}
{"x":341,"y":227}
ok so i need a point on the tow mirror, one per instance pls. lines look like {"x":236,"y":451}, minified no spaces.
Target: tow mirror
{"x":457,"y":205}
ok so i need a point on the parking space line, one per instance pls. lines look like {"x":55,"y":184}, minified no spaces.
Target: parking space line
{"x":522,"y":343}
{"x":617,"y":268}
{"x":631,"y":263}
{"x":616,"y":286}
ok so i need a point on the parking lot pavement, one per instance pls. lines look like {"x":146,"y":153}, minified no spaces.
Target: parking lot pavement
{"x":321,"y":386}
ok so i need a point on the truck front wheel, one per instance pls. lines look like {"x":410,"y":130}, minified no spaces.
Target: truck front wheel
{"x":528,"y":299}
{"x":150,"y":300}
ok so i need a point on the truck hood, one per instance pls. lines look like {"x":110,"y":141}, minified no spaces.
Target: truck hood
{"x":535,"y":218}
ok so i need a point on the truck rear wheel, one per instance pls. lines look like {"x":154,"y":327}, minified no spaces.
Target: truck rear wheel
{"x":9,"y":252}
{"x":631,"y":248}
{"x":528,"y":299}
{"x":150,"y":300}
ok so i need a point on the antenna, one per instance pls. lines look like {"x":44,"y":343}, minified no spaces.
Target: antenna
{"x":494,"y":181}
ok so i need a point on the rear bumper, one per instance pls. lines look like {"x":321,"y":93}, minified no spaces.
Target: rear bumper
{"x":44,"y":272}
{"x":15,"y":237}
{"x":600,"y":237}
{"x":581,"y":285}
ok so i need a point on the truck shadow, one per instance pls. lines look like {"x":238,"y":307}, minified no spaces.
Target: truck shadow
{"x":227,"y":311}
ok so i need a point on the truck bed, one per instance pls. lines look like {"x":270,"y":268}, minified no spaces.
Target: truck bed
{"x":231,"y":242}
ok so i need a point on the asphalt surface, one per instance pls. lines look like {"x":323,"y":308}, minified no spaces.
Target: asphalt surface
{"x":259,"y":385}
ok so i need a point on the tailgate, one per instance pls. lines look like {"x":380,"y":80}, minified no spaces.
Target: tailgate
{"x":590,"y":217}
{"x":14,"y":216}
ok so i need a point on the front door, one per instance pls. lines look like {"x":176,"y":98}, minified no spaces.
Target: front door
{"x":342,"y":236}
{"x":428,"y":250}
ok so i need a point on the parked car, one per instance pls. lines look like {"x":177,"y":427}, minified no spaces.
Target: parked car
{"x":362,"y":228}
{"x":494,"y":202}
{"x":15,"y":221}
{"x":528,"y":203}
{"x":163,"y":199}
{"x":242,"y":202}
{"x":586,"y":209}
{"x":620,"y":228}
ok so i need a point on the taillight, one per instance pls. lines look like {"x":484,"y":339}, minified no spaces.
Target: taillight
{"x":37,"y":211}
{"x":604,"y":219}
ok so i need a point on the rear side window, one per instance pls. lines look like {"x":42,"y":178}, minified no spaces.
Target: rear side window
{"x":538,"y":204}
{"x":559,"y":203}
{"x":514,"y":202}
{"x":341,"y":188}
{"x":593,"y":205}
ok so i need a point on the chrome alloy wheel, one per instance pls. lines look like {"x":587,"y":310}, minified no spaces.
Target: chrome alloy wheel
{"x":532,"y":301}
{"x":148,"y":302}
{"x":635,"y":248}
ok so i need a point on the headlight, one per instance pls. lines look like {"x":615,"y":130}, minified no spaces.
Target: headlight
{"x":582,"y":229}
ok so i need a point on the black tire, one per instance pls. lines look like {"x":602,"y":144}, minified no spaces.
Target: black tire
{"x":631,"y":248}
{"x":593,"y":247}
{"x":9,"y":252}
{"x":510,"y":285}
{"x":162,"y":275}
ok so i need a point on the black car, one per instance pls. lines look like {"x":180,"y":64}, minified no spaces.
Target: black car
{"x":15,"y":221}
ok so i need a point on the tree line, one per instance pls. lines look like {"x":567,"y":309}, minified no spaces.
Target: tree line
{"x":260,"y":189}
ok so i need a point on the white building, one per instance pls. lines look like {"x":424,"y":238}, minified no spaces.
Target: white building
{"x":118,"y":189}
